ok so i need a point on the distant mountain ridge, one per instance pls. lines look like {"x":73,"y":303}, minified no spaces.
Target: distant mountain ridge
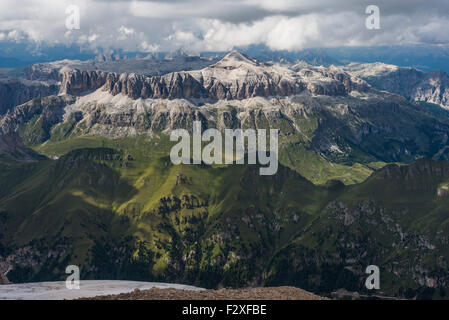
{"x":236,"y":76}
{"x":353,"y":120}
{"x":46,"y":77}
{"x":14,"y":91}
{"x":414,"y":84}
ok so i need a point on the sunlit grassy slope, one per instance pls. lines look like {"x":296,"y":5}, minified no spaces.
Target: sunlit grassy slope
{"x":121,"y":209}
{"x":296,"y":156}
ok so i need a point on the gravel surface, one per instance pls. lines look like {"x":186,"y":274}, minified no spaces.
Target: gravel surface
{"x":269,"y":293}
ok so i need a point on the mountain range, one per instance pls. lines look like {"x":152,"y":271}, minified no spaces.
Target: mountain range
{"x":363,"y":176}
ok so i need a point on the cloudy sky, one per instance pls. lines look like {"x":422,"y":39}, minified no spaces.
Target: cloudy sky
{"x":213,"y":25}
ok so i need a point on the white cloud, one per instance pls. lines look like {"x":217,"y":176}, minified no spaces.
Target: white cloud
{"x":126,"y":31}
{"x":220,"y":25}
{"x":14,"y":35}
{"x":148,"y":47}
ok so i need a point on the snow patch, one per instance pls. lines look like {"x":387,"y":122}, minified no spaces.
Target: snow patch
{"x":88,"y":288}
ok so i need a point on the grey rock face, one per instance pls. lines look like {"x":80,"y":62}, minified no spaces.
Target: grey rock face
{"x":354,"y":122}
{"x":77,"y":82}
{"x":152,"y":65}
{"x":50,"y":109}
{"x":414,"y":84}
{"x":39,"y":72}
{"x":17,"y":91}
{"x":77,"y":77}
{"x":433,"y":88}
{"x":235,"y":77}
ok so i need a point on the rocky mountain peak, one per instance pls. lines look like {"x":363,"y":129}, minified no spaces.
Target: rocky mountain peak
{"x":236,"y":59}
{"x":235,"y":77}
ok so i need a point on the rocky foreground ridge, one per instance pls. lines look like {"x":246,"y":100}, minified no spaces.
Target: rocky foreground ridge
{"x":270,"y":293}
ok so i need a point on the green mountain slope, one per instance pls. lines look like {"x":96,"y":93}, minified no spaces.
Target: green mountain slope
{"x":128,"y":213}
{"x":398,"y":219}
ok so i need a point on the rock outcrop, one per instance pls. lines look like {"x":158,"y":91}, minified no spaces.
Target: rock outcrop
{"x":414,"y":84}
{"x":77,"y":77}
{"x":77,"y":82}
{"x":48,"y":111}
{"x":17,"y":91}
{"x":235,"y":77}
